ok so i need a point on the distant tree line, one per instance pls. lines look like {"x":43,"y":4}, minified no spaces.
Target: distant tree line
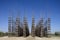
{"x":3,"y":34}
{"x":6,"y":34}
{"x":57,"y":33}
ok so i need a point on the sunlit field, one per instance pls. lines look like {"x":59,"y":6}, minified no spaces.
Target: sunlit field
{"x":29,"y":38}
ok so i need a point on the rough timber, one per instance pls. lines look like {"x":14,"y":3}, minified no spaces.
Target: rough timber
{"x":19,"y":30}
{"x":9,"y":26}
{"x":42,"y":29}
{"x":33,"y":27}
{"x":25,"y":28}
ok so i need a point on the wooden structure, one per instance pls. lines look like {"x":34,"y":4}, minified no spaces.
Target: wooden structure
{"x":33,"y":27}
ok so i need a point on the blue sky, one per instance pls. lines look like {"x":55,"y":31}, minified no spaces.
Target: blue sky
{"x":49,"y":8}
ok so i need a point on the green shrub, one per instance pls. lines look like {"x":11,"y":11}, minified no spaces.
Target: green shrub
{"x":57,"y":33}
{"x":1,"y":34}
{"x":6,"y":34}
